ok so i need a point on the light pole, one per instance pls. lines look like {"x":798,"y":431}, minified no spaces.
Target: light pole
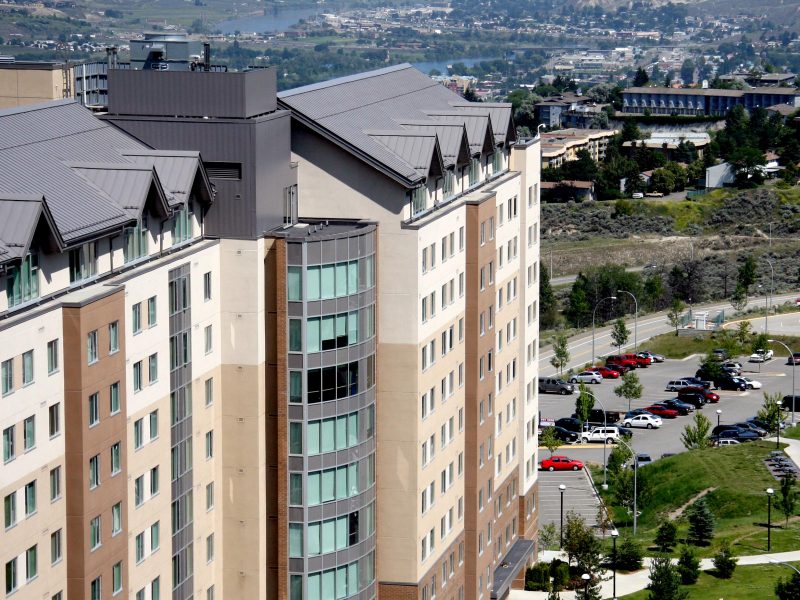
{"x":719,"y":412}
{"x":771,"y":286}
{"x":594,"y":312}
{"x":635,"y":477}
{"x":635,"y":318}
{"x":791,"y":359}
{"x":605,"y":439}
{"x":766,"y":309}
{"x":561,"y":489}
{"x":586,"y":579}
{"x":614,"y":535}
{"x":770,"y":491}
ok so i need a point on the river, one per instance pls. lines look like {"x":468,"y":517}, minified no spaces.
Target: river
{"x":276,"y":20}
{"x":441,"y":65}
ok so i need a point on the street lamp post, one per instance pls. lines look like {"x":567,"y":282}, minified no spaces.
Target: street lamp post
{"x":561,"y":489}
{"x":791,"y":360}
{"x":719,"y":412}
{"x":594,"y":312}
{"x":770,"y":491}
{"x":771,"y":286}
{"x":605,"y":439}
{"x":586,"y":579}
{"x":635,"y":318}
{"x":635,"y":477}
{"x":614,"y":535}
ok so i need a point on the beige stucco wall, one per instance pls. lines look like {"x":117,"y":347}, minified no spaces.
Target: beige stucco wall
{"x":30,"y":86}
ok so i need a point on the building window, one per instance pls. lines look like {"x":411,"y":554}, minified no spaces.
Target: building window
{"x":116,"y":518}
{"x":94,"y":471}
{"x":295,"y":438}
{"x":136,"y":318}
{"x":210,"y":591}
{"x":419,"y":200}
{"x":10,"y":510}
{"x":137,"y":376}
{"x":155,"y":589}
{"x":9,"y":451}
{"x":207,"y":286}
{"x":55,"y":547}
{"x":96,"y":589}
{"x":94,"y":410}
{"x":209,"y":444}
{"x":209,"y":339}
{"x":52,"y":357}
{"x":94,"y":533}
{"x":91,"y":347}
{"x":178,"y":295}
{"x":294,"y":283}
{"x":209,"y":391}
{"x":29,"y":433}
{"x":155,"y":536}
{"x":181,"y":226}
{"x":27,"y":367}
{"x":333,"y":331}
{"x":153,"y":425}
{"x":138,"y":435}
{"x":113,"y":398}
{"x":83,"y":262}
{"x":139,"y":547}
{"x":295,"y":489}
{"x":295,"y":386}
{"x":55,"y":484}
{"x":138,"y":491}
{"x":30,"y":498}
{"x":209,"y":496}
{"x":113,"y":337}
{"x":154,"y":472}
{"x":152,"y":368}
{"x":22,"y":282}
{"x":210,"y":548}
{"x":116,"y":578}
{"x":290,"y":205}
{"x":474,"y":171}
{"x":115,"y":458}
{"x":135,"y":240}
{"x":152,"y":313}
{"x":7,"y":375}
{"x":11,"y":576}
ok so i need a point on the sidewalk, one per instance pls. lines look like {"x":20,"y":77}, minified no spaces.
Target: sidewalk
{"x":629,"y":583}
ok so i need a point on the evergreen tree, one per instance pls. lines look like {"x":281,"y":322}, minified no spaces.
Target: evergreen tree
{"x":724,"y":561}
{"x":629,"y":555}
{"x":548,"y":306}
{"x":701,"y":524}
{"x":788,"y":589}
{"x":664,"y":580}
{"x":688,"y":566}
{"x":787,"y":501}
{"x":641,"y":78}
{"x":666,"y":535}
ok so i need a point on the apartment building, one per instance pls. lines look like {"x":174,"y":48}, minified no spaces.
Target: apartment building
{"x":703,"y":101}
{"x":563,"y":145}
{"x":455,"y":199}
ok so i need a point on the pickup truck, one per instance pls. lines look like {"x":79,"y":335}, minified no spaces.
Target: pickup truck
{"x":621,"y":360}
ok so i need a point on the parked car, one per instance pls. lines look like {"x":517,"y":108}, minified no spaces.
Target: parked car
{"x":621,"y":369}
{"x":738,"y":434}
{"x":732,"y":368}
{"x":752,"y":384}
{"x":763,"y":424}
{"x":605,"y":372}
{"x":791,"y":403}
{"x":600,"y":434}
{"x":719,"y":353}
{"x":698,"y":382}
{"x":726,"y":382}
{"x":761,"y":356}
{"x":728,"y":442}
{"x":642,"y":361}
{"x":760,"y":431}
{"x":614,"y":360}
{"x":552,"y":385}
{"x":794,"y":359}
{"x":597,"y":417}
{"x":570,"y":424}
{"x":678,"y":384}
{"x":634,"y":412}
{"x":637,"y":195}
{"x":720,"y":428}
{"x":642,"y":460}
{"x":560,"y":463}
{"x":662,"y":411}
{"x":708,"y":395}
{"x":645,"y":420}
{"x":694,"y":398}
{"x":683,"y":408}
{"x":652,"y":355}
{"x":565,"y":435}
{"x":586,"y":377}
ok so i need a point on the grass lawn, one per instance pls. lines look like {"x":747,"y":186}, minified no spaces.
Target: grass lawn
{"x":748,"y":583}
{"x":738,"y":501}
{"x":673,"y":346}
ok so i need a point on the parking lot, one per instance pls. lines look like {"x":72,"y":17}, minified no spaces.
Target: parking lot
{"x":775,"y":376}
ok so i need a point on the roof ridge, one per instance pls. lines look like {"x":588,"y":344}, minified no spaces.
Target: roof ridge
{"x":26,"y":108}
{"x":312,"y":87}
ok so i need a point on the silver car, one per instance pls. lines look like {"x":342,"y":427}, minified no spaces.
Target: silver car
{"x":586,"y":377}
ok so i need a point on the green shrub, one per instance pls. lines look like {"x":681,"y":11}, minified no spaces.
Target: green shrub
{"x":537,"y":578}
{"x":629,"y":555}
{"x":559,"y":570}
{"x":666,"y":535}
{"x":725,"y":562}
{"x":688,"y":566}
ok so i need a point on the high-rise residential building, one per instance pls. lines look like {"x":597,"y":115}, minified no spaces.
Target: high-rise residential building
{"x":454,"y":195}
{"x":228,"y":371}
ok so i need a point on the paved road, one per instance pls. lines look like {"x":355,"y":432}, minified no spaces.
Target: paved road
{"x":785,"y":323}
{"x":580,"y":347}
{"x":578,"y":496}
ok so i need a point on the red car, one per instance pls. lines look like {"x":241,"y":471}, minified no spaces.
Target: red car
{"x":661,"y":411}
{"x":641,"y":361}
{"x":560,"y":463}
{"x":605,"y":372}
{"x":612,"y":361}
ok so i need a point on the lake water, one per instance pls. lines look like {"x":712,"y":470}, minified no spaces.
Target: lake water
{"x":276,"y":20}
{"x":441,"y":65}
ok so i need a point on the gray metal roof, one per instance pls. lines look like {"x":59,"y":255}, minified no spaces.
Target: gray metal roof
{"x":20,"y":217}
{"x":452,"y":138}
{"x":177,"y":171}
{"x":346,"y":109}
{"x":416,"y":148}
{"x":89,"y":173}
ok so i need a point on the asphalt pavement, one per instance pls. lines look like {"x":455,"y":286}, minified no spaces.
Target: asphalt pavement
{"x":580,"y":346}
{"x":775,"y":376}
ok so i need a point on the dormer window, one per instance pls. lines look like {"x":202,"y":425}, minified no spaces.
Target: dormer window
{"x":497,"y":161}
{"x":419,"y":199}
{"x":181,"y":226}
{"x":136,"y":240}
{"x":448,"y":186}
{"x":83,"y":262}
{"x":22,"y":282}
{"x":474,"y":171}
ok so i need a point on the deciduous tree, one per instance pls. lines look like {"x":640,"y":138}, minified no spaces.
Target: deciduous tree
{"x":560,"y":356}
{"x":787,"y":501}
{"x":630,"y":389}
{"x":674,"y":313}
{"x":584,"y":403}
{"x":548,"y":439}
{"x":620,"y":334}
{"x":696,"y":436}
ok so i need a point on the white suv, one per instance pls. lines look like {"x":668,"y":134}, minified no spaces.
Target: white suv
{"x":676,"y":385}
{"x":600,"y":434}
